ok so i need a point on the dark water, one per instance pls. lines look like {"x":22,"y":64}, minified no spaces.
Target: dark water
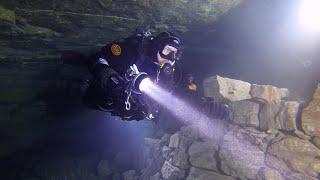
{"x":260,"y":42}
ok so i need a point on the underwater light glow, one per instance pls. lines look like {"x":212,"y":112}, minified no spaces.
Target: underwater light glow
{"x":309,"y":15}
{"x":145,"y":84}
{"x":207,"y":127}
{"x":182,"y":110}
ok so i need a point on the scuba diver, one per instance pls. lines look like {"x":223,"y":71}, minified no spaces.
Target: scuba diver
{"x":118,"y":68}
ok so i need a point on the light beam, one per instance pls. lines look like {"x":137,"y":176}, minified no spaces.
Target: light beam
{"x":249,"y":156}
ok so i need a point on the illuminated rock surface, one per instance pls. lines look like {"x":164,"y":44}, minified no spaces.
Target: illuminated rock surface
{"x":225,"y":88}
{"x":311,"y":115}
{"x":277,"y":150}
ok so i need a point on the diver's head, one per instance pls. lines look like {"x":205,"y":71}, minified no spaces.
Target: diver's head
{"x":168,"y":47}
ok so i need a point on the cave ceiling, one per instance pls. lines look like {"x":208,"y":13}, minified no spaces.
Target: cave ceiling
{"x":37,"y":29}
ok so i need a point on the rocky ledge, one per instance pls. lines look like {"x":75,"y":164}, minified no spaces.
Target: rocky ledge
{"x":268,"y":138}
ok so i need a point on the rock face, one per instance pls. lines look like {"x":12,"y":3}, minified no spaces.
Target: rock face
{"x":104,"y":168}
{"x":268,"y":116}
{"x":245,"y":113}
{"x":53,"y":25}
{"x":201,"y":174}
{"x":225,"y":88}
{"x":288,"y":115}
{"x":263,"y":141}
{"x":202,"y":155}
{"x":268,"y":93}
{"x":311,"y":115}
{"x":239,"y":157}
{"x":299,"y":154}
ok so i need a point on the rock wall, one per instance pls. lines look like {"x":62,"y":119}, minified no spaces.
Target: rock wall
{"x":42,"y":28}
{"x":267,"y":138}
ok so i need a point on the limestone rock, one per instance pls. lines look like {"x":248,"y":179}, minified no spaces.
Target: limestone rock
{"x":190,"y":132}
{"x":288,"y":115}
{"x":268,"y":117}
{"x":269,"y":174}
{"x":299,"y":176}
{"x":104,"y":168}
{"x":256,"y":137}
{"x":245,"y":113}
{"x":169,"y":171}
{"x":201,"y":174}
{"x":221,"y":88}
{"x":165,"y":151}
{"x":316,"y":141}
{"x":302,"y":135}
{"x":268,"y":93}
{"x":165,"y":139}
{"x":130,"y":175}
{"x":180,"y":155}
{"x":311,"y":115}
{"x":276,"y":163}
{"x":180,"y":142}
{"x":202,"y":155}
{"x":97,"y":22}
{"x":7,"y":16}
{"x":300,"y":155}
{"x":180,"y":158}
{"x":239,"y":157}
{"x":174,"y":141}
{"x":157,"y":176}
{"x":152,"y":157}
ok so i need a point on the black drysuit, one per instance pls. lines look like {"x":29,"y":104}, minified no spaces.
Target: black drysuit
{"x":109,"y":67}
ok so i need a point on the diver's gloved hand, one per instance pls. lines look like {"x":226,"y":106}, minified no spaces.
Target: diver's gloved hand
{"x":216,"y":110}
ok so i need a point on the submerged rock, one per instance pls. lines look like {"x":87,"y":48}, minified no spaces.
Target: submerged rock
{"x":239,"y":157}
{"x":311,"y":115}
{"x":221,"y":88}
{"x":169,"y":171}
{"x":288,"y":115}
{"x":202,"y":155}
{"x":298,"y":154}
{"x":269,"y":174}
{"x":262,"y":142}
{"x":174,"y":141}
{"x":268,"y":117}
{"x":316,"y":141}
{"x":245,"y":113}
{"x":201,"y":174}
{"x":104,"y":168}
{"x":130,"y":175}
{"x":7,"y":16}
{"x":268,"y":94}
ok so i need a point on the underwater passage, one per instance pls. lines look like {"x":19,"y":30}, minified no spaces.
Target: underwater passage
{"x":160,"y":90}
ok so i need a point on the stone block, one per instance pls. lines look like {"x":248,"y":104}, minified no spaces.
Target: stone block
{"x":239,"y":157}
{"x":300,"y":155}
{"x":245,"y":113}
{"x":268,"y":120}
{"x":268,"y":93}
{"x":310,"y":117}
{"x":288,"y":115}
{"x":201,"y":174}
{"x":202,"y":155}
{"x":221,"y":88}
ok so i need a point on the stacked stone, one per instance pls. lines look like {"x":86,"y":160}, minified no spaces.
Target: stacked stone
{"x":266,"y":139}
